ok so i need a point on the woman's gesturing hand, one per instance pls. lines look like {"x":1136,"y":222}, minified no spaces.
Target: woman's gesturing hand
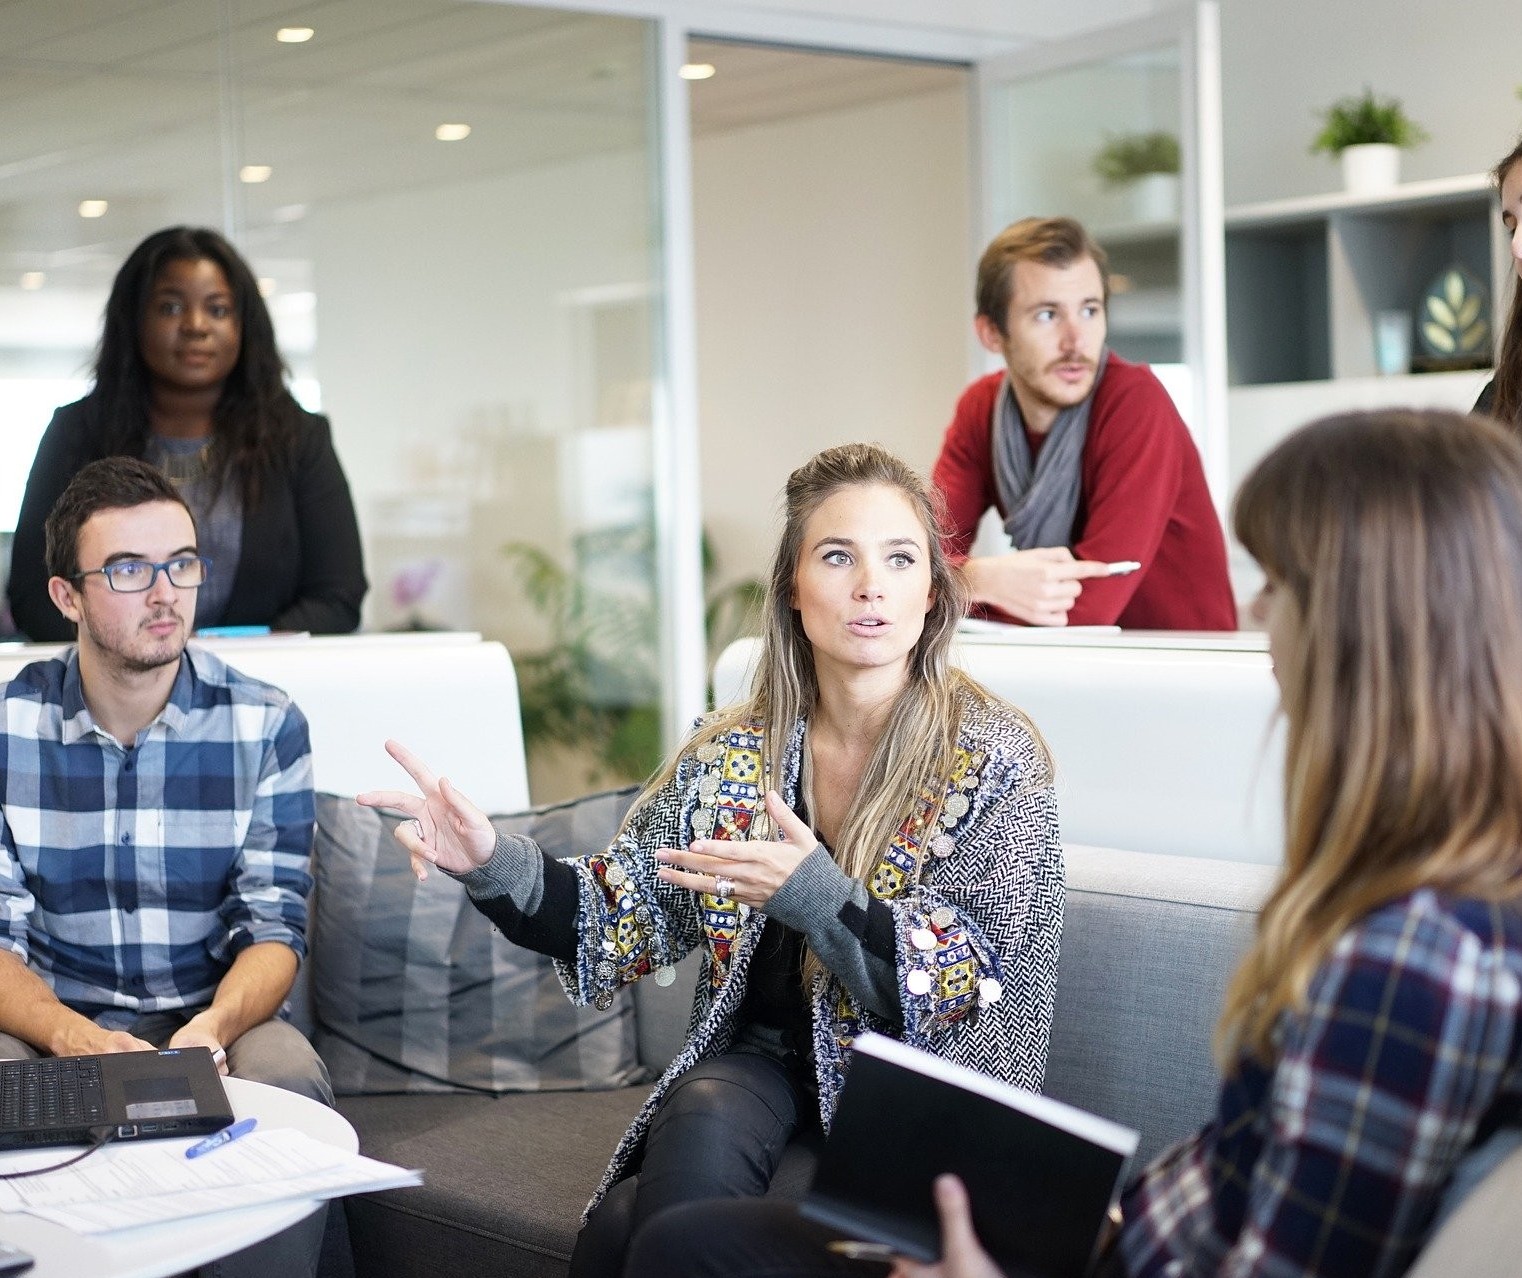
{"x":446,"y":829}
{"x":751,"y":871}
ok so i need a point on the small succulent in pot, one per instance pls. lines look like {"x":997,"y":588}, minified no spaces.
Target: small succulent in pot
{"x":1365,"y":119}
{"x":1128,"y":156}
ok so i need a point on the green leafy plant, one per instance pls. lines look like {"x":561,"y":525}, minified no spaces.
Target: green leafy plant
{"x":1129,"y":156}
{"x":1358,"y":121}
{"x":596,"y":686}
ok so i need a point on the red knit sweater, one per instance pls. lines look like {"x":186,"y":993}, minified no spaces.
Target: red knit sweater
{"x":1143,"y":497}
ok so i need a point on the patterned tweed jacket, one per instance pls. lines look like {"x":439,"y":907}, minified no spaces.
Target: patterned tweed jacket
{"x":974,"y":879}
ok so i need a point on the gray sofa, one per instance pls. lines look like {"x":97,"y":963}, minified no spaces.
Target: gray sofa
{"x":1149,"y":943}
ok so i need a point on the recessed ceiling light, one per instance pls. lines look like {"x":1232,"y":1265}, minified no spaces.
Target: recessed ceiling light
{"x":698,"y":71}
{"x":294,"y":35}
{"x":452,"y":132}
{"x":266,"y":285}
{"x":289,"y":213}
{"x":32,"y":280}
{"x":255,"y":173}
{"x":92,"y":208}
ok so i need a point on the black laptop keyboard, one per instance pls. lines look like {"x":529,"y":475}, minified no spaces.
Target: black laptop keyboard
{"x":51,"y":1093}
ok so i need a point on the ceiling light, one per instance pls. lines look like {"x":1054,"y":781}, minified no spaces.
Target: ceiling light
{"x":266,"y":285}
{"x":255,"y":173}
{"x":452,"y":132}
{"x":294,"y":35}
{"x":32,"y":280}
{"x":698,"y":71}
{"x":289,"y":213}
{"x":92,"y":208}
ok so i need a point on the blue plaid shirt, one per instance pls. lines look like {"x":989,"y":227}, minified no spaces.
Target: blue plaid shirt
{"x":130,"y":878}
{"x":1333,"y":1160}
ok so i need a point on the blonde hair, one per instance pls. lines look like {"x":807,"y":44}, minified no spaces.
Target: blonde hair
{"x":917,"y":744}
{"x":1396,"y":538}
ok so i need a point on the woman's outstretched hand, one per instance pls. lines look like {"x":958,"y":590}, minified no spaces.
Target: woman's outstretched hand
{"x":446,"y":829}
{"x":753,"y":870}
{"x":962,"y":1255}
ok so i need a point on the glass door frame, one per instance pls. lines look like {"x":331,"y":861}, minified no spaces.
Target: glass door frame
{"x":1194,"y":30}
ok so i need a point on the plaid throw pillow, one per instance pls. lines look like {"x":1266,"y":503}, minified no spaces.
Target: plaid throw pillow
{"x":415,"y":991}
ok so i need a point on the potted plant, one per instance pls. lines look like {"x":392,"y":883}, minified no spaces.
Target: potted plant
{"x":1368,"y":133}
{"x":1148,"y":164}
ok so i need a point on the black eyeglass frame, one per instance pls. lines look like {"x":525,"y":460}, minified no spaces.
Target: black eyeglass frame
{"x":111,"y":571}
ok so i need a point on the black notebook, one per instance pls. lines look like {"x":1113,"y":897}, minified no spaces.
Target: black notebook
{"x":1041,"y":1175}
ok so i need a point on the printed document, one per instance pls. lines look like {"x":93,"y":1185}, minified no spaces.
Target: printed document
{"x":147,"y":1182}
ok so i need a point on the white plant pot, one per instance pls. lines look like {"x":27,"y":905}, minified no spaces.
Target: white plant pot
{"x":1155,"y":197}
{"x":1370,"y":167}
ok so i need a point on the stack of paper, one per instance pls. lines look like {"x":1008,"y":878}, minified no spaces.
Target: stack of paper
{"x":144,"y":1183}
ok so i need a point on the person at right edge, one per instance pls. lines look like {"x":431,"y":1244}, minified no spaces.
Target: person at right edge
{"x":1081,"y":452}
{"x":1502,"y":396}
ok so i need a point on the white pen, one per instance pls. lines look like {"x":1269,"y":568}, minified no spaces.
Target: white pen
{"x":1122,"y":567}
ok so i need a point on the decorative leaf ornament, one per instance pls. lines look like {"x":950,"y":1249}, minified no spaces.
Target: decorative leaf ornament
{"x":1455,"y":322}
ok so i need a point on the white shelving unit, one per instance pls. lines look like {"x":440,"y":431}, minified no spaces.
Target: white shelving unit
{"x":1146,"y":320}
{"x":1305,"y":277}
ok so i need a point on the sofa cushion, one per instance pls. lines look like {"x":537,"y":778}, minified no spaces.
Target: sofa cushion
{"x":1149,"y":943}
{"x":415,"y":991}
{"x":506,"y":1180}
{"x":1482,"y":1236}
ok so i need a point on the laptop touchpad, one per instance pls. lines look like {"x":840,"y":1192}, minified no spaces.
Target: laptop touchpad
{"x":161,"y":1097}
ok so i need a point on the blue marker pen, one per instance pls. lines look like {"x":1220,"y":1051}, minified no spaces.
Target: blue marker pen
{"x":224,"y":1137}
{"x":231,"y":632}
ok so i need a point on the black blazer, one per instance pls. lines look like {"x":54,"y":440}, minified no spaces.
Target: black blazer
{"x":300,"y":567}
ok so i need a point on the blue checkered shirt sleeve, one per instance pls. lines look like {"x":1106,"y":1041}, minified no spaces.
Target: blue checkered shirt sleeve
{"x":1332,"y":1161}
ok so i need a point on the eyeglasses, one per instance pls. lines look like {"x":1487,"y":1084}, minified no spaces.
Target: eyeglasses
{"x":133,"y":576}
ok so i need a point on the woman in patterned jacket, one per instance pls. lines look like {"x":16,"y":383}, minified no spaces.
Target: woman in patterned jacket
{"x":869,"y":842}
{"x":1371,"y":1042}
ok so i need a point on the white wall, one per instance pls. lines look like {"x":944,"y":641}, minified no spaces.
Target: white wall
{"x":834,"y":299}
{"x":1454,"y":67}
{"x":452,"y":355}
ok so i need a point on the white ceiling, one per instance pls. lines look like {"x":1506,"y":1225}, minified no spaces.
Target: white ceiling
{"x":125,"y":100}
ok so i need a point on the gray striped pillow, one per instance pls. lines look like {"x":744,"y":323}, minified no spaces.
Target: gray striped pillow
{"x":415,"y":991}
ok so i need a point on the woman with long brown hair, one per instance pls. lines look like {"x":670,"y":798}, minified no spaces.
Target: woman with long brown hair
{"x":188,"y":377}
{"x":1372,"y":1036}
{"x":868,"y":842}
{"x":1502,"y":396}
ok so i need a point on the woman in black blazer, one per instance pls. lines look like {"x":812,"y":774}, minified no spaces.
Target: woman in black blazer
{"x":188,"y":376}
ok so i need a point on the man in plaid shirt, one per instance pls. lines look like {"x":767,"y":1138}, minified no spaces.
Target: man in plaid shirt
{"x":155,"y":811}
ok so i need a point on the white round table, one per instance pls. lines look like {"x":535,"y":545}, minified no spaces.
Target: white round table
{"x":154,"y":1251}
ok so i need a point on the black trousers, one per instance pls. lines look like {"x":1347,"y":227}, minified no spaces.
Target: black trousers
{"x":754,"y":1237}
{"x":719,"y":1134}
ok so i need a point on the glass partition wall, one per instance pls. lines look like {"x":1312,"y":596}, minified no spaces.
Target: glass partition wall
{"x":454,"y":212}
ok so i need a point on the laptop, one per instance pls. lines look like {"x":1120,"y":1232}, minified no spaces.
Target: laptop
{"x":72,"y":1100}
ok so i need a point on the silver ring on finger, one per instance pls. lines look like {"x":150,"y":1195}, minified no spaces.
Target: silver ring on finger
{"x":723,"y":886}
{"x":417,"y":829}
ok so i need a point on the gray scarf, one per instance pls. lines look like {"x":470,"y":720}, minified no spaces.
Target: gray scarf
{"x":1041,"y":501}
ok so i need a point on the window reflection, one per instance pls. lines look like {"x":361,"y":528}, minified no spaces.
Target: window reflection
{"x":476,"y":316}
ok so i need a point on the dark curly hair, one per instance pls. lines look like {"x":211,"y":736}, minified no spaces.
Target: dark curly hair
{"x":255,"y":421}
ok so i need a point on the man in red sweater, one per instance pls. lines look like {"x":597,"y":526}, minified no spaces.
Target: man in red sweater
{"x":1082,"y":453}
